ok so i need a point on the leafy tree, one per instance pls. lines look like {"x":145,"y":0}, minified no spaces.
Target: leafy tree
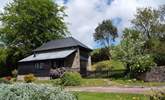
{"x":131,"y":52}
{"x":26,"y":24}
{"x":147,"y":21}
{"x":2,"y":45}
{"x":3,"y":57}
{"x":162,"y":13}
{"x":99,"y":55}
{"x":105,"y":33}
{"x":151,"y":23}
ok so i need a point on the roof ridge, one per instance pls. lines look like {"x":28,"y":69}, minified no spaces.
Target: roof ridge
{"x":61,"y":43}
{"x":77,"y":41}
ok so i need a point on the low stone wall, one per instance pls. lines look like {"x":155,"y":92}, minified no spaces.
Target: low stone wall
{"x":156,"y":74}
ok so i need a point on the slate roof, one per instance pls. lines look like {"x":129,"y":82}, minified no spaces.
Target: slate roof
{"x":62,"y":43}
{"x":48,"y":55}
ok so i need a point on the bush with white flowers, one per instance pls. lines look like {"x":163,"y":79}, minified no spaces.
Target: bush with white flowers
{"x":30,"y":91}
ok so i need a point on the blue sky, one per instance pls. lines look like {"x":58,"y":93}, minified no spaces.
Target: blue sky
{"x":84,"y":15}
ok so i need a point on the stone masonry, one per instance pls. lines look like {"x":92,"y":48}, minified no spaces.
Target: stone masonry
{"x":156,"y":74}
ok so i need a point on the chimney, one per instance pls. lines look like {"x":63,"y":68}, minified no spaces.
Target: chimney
{"x":34,"y":55}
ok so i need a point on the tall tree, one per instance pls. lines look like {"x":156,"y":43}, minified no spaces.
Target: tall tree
{"x":147,"y":21}
{"x":131,"y":52}
{"x":151,"y":24}
{"x":26,"y":24}
{"x":162,"y":12}
{"x":105,"y":33}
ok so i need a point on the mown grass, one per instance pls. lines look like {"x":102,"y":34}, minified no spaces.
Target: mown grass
{"x":109,"y":96}
{"x":95,"y":82}
{"x":107,"y":82}
{"x":134,"y":82}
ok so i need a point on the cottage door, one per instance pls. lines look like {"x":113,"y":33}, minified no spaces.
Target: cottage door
{"x":83,"y":67}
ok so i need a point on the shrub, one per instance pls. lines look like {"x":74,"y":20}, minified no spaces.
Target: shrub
{"x":158,"y":95}
{"x":5,"y":81}
{"x":14,"y":73}
{"x":142,"y":64}
{"x":24,"y":91}
{"x":29,"y":78}
{"x":98,"y":55}
{"x":56,"y":73}
{"x":8,"y":78}
{"x":71,"y":79}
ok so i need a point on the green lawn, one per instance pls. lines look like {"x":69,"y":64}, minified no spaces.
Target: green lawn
{"x":107,"y":82}
{"x":134,"y":82}
{"x":109,"y":96}
{"x":119,"y":82}
{"x":95,"y":82}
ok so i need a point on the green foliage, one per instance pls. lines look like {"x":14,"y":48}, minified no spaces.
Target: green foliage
{"x":108,"y":65}
{"x":157,"y":48}
{"x":110,"y":96}
{"x":14,"y":73}
{"x":29,"y":78}
{"x":26,"y":91}
{"x":105,"y":33}
{"x":5,"y":81}
{"x":130,"y":46}
{"x":150,"y":23}
{"x":103,"y":65}
{"x":147,"y":21}
{"x":158,"y":95}
{"x":3,"y":56}
{"x":2,"y":45}
{"x":71,"y":79}
{"x":142,"y":64}
{"x":159,"y":58}
{"x":162,"y":12}
{"x":27,"y":24}
{"x":99,"y":55}
{"x":117,"y":65}
{"x":32,"y":22}
{"x":131,"y":52}
{"x":105,"y":30}
{"x":3,"y":59}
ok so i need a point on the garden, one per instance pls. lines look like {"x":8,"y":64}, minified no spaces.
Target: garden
{"x":138,"y":61}
{"x":32,"y":89}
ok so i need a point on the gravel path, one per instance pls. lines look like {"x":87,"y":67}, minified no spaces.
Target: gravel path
{"x":135,"y":90}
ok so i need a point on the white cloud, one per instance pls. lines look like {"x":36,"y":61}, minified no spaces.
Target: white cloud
{"x":3,"y":4}
{"x":84,"y":15}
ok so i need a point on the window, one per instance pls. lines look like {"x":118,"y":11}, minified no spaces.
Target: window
{"x":54,"y":65}
{"x":58,"y":64}
{"x":39,"y":66}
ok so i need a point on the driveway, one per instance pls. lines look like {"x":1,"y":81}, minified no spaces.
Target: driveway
{"x":136,"y":90}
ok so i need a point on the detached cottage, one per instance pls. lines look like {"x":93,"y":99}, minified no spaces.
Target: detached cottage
{"x":67,"y":52}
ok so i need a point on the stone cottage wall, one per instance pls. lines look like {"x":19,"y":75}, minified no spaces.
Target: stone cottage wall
{"x":86,"y":54}
{"x":73,"y":61}
{"x":157,"y":74}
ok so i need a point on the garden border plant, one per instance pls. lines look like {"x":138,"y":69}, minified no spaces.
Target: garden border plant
{"x":71,"y":78}
{"x":30,"y":91}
